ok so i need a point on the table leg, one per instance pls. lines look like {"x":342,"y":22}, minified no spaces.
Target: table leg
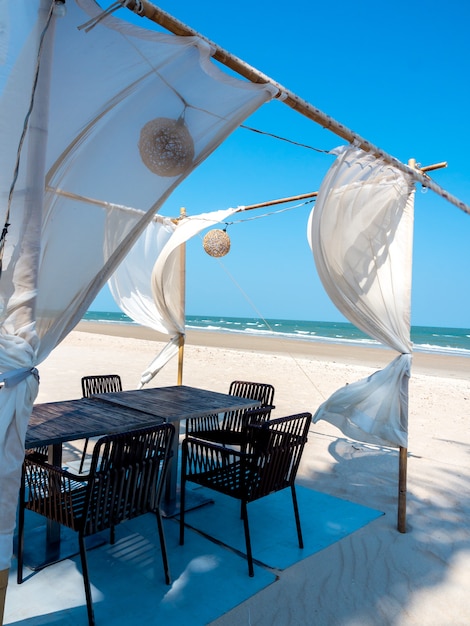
{"x":54,"y":457}
{"x":170,"y":505}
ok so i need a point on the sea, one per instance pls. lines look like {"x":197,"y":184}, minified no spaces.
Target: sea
{"x":434,"y":339}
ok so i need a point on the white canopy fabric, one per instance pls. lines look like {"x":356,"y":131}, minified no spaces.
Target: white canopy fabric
{"x":148,"y":284}
{"x":130,"y":282}
{"x":361,"y":232}
{"x":105,"y":102}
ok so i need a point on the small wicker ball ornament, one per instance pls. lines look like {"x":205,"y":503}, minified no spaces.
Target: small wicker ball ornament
{"x":216,"y":243}
{"x":166,"y":146}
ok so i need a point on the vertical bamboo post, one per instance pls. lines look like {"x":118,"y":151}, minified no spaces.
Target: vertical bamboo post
{"x":172,"y":477}
{"x":183,"y":301}
{"x":3,"y":592}
{"x":403,"y":457}
{"x":403,"y":463}
{"x":403,"y":452}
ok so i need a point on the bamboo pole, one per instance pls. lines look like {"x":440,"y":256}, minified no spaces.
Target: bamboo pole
{"x":183,"y":265}
{"x":182,"y":215}
{"x":403,"y":452}
{"x":402,"y":482}
{"x":183,"y":302}
{"x":402,"y":478}
{"x":435,"y":166}
{"x":3,"y":591}
{"x":303,"y":196}
{"x":170,"y":23}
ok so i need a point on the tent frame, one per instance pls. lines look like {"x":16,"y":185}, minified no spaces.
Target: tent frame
{"x":170,"y":23}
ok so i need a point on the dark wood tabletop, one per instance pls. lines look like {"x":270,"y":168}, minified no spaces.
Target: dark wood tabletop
{"x":178,"y":402}
{"x":53,"y":423}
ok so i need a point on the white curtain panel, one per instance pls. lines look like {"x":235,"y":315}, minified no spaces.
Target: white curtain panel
{"x":149,"y":286}
{"x":84,"y":192}
{"x":130,"y":282}
{"x":361,"y":232}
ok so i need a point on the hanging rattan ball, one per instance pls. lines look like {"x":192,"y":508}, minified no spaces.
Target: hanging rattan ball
{"x":166,"y":146}
{"x":216,"y":243}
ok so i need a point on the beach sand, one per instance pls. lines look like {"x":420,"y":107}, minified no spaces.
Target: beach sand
{"x":376,"y":576}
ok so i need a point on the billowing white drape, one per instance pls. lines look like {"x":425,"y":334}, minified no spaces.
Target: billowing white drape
{"x":96,"y":94}
{"x":130,"y":282}
{"x":149,"y":285}
{"x":360,"y":232}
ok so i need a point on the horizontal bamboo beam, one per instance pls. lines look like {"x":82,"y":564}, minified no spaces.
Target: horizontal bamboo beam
{"x":435,"y":166}
{"x":303,"y":196}
{"x":170,"y":23}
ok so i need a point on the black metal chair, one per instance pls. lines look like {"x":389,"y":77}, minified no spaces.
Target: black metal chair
{"x":231,"y":429}
{"x":267,"y":464}
{"x":100,"y":384}
{"x":91,"y":385}
{"x":125,"y":481}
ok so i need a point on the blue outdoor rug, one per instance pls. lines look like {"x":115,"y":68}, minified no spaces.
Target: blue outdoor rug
{"x":208,"y":579}
{"x":128,"y":584}
{"x":324,"y":520}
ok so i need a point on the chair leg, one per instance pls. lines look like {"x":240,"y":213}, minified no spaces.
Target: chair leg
{"x":161,"y":534}
{"x":19,"y":573}
{"x":247,"y":539}
{"x":297,"y":516}
{"x":182,"y":504}
{"x":86,"y":580}
{"x":83,"y":456}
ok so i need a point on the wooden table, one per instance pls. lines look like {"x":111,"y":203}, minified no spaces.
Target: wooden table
{"x":55,"y":423}
{"x":52,"y":424}
{"x":173,"y":404}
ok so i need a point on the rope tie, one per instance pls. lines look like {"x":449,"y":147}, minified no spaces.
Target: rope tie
{"x":14,"y":377}
{"x":2,"y":242}
{"x":87,"y":26}
{"x":138,"y":9}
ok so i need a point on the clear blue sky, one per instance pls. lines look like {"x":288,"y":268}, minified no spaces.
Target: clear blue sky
{"x":398,"y":75}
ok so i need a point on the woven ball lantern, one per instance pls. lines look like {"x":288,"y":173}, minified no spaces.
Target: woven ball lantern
{"x":166,"y":146}
{"x":216,"y":243}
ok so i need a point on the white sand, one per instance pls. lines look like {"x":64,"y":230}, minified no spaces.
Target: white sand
{"x":376,"y":575}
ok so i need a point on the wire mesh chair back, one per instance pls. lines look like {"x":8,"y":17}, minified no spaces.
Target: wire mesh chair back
{"x":264,"y":393}
{"x":105,"y":383}
{"x":126,"y":480}
{"x":230,"y":431}
{"x":100,"y":384}
{"x":267,"y":462}
{"x":274,"y":450}
{"x":41,"y":452}
{"x":126,"y":476}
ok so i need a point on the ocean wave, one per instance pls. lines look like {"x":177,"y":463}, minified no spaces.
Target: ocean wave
{"x":336,"y":339}
{"x":436,"y":340}
{"x":107,"y":320}
{"x":314,"y":338}
{"x":427,"y":347}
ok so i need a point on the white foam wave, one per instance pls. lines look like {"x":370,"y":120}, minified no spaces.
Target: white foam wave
{"x":426,"y":347}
